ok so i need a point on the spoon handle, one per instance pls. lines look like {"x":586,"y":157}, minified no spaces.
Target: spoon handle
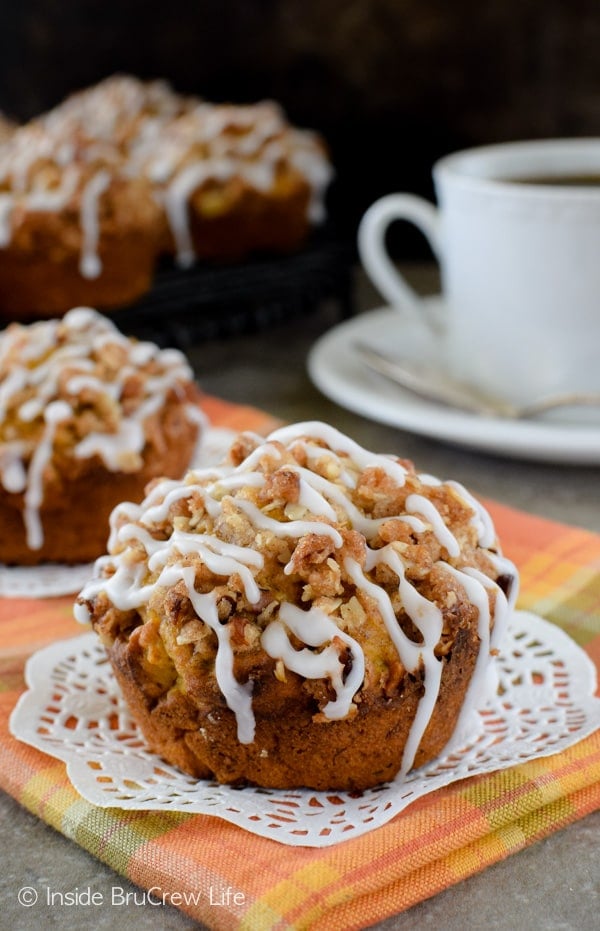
{"x":431,"y":385}
{"x":568,"y":399}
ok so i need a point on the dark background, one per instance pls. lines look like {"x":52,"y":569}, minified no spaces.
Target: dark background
{"x":391,"y":84}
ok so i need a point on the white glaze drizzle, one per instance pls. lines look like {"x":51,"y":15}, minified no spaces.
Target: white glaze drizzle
{"x":307,"y":159}
{"x":418,"y":504}
{"x":335,"y":440}
{"x":34,"y":491}
{"x":481,"y":519}
{"x":315,"y":628}
{"x":57,"y":198}
{"x":123,"y":577}
{"x":13,"y":476}
{"x":291,"y":528}
{"x":483,"y":679}
{"x":237,"y":695}
{"x":34,"y":359}
{"x":504,"y":567}
{"x":156,"y":513}
{"x":89,"y":263}
{"x":7,"y":205}
{"x":28,"y":189}
{"x":427,"y":617}
{"x":189,"y":179}
{"x":316,"y":492}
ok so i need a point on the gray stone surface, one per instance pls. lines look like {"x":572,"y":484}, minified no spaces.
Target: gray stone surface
{"x":553,"y":885}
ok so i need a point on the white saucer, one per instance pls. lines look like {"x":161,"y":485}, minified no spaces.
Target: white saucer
{"x":338,"y":372}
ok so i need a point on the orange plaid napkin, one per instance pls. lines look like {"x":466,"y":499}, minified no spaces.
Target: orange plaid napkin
{"x":201,"y":862}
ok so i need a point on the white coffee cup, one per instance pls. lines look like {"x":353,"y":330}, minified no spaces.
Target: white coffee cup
{"x":519,"y":262}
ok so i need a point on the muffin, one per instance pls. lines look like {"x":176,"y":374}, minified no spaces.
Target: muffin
{"x":75,"y":227}
{"x":95,"y":191}
{"x":234,"y":180}
{"x":87,"y":418}
{"x":307,"y":614}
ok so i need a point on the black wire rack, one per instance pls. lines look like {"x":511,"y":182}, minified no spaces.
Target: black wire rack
{"x":186,"y":307}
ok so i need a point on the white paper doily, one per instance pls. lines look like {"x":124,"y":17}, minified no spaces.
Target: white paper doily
{"x":54,"y":579}
{"x":47,"y":581}
{"x":74,"y":711}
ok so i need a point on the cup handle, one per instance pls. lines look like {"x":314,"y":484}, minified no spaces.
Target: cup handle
{"x":372,"y":248}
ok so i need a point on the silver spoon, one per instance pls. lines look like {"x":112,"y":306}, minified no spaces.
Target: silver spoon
{"x":432,"y":385}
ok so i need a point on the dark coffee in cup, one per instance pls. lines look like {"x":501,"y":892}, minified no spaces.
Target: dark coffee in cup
{"x":558,"y":180}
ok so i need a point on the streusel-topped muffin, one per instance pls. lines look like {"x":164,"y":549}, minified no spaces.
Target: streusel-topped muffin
{"x":93,"y":192}
{"x":234,"y":180}
{"x":308,"y":614}
{"x":87,"y":418}
{"x":75,"y":227}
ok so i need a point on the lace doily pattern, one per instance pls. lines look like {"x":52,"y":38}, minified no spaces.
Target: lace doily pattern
{"x":48,"y":581}
{"x":53,"y":579}
{"x":73,"y":710}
